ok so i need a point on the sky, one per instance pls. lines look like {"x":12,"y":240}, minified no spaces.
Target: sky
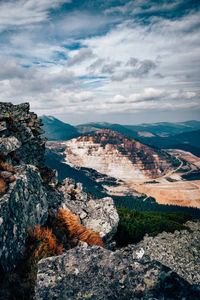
{"x":81,"y":61}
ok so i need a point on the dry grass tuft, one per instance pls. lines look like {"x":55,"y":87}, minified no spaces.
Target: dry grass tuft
{"x":3,"y":186}
{"x":69,"y":222}
{"x":42,"y":243}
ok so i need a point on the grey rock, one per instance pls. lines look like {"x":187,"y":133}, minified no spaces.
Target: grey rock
{"x":26,"y":201}
{"x":99,"y":215}
{"x":5,"y":175}
{"x":96,"y":273}
{"x":3,"y":125}
{"x":179,"y":251}
{"x":67,"y":185}
{"x":54,"y":179}
{"x":79,"y":186}
{"x":9,"y":144}
{"x":20,"y":133}
{"x":25,"y":204}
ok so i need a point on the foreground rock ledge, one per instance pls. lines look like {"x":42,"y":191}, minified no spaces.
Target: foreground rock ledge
{"x":96,"y":273}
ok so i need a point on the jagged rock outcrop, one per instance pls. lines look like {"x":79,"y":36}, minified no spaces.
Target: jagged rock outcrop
{"x":23,"y":197}
{"x":20,"y":134}
{"x":97,"y":273}
{"x":28,"y":189}
{"x":99,"y":215}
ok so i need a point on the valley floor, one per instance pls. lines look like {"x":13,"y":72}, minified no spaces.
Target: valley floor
{"x":182,"y":193}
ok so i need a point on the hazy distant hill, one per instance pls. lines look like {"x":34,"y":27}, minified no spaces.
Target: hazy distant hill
{"x":188,"y":141}
{"x":161,"y":129}
{"x":165,"y":129}
{"x":56,"y":130}
{"x":92,"y":127}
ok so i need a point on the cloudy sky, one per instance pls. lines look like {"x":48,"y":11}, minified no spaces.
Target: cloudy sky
{"x":101,"y":60}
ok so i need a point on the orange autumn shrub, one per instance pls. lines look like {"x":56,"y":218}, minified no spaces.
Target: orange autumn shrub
{"x":3,"y":186}
{"x":42,"y":243}
{"x":67,"y":221}
{"x":6,"y":166}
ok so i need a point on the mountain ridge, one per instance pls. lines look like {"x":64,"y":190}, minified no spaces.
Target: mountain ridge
{"x":180,"y":135}
{"x":57,"y":130}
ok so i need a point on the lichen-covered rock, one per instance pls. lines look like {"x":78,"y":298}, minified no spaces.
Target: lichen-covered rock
{"x":179,"y":250}
{"x":25,"y":204}
{"x":23,"y":195}
{"x":96,"y":273}
{"x":99,"y":215}
{"x":20,"y":133}
{"x":75,"y":190}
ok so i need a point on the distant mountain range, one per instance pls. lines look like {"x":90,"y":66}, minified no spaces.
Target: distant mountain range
{"x":56,"y":130}
{"x":187,"y":141}
{"x":180,"y":135}
{"x":161,"y":129}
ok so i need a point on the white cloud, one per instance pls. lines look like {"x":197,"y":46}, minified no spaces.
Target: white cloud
{"x":24,"y":82}
{"x":143,"y":6}
{"x":15,"y":13}
{"x":149,"y":93}
{"x":129,"y":67}
{"x":189,"y":95}
{"x":82,"y":55}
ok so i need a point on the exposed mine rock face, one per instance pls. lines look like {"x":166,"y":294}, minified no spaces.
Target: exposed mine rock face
{"x":20,"y":132}
{"x":118,"y":155}
{"x":97,"y":273}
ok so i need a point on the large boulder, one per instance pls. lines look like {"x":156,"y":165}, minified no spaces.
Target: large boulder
{"x":97,"y":214}
{"x":96,"y":273}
